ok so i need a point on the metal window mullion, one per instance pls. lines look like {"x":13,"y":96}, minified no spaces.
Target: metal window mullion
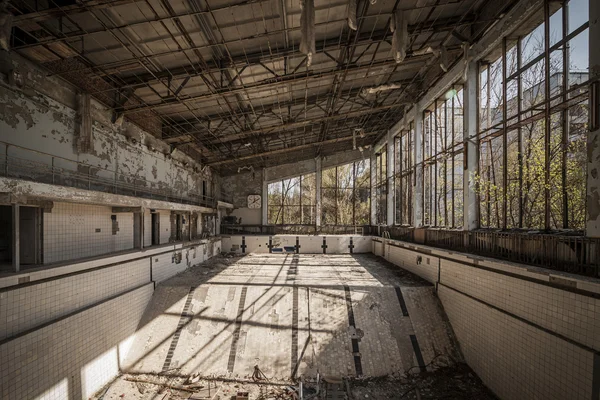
{"x":435,"y":168}
{"x":504,"y":138}
{"x":547,"y":116}
{"x":565,"y":113}
{"x":520,"y":130}
{"x":453,"y":224}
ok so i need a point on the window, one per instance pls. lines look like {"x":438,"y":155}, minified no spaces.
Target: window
{"x":403,"y":175}
{"x":381,"y":187}
{"x":533,"y":115}
{"x":292,"y":201}
{"x":345,"y":194}
{"x":443,"y":161}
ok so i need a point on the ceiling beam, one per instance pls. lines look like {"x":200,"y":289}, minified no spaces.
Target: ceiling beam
{"x":23,"y":20}
{"x":408,"y":63}
{"x":286,"y":150}
{"x":142,"y":79}
{"x":299,"y":124}
{"x":306,"y":101}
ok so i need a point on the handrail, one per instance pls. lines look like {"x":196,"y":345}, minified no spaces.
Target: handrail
{"x":92,"y":179}
{"x":562,"y":252}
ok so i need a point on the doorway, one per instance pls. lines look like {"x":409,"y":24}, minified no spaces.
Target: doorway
{"x":155,"y":228}
{"x":29,"y":235}
{"x":30,"y":240}
{"x":5,"y":234}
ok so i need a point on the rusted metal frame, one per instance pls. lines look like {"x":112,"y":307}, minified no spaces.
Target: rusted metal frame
{"x":496,"y":130}
{"x":435,"y":154}
{"x":57,"y":12}
{"x":331,"y":44}
{"x":558,"y":45}
{"x":213,"y":117}
{"x":504,"y":137}
{"x":490,"y":159}
{"x":338,"y":81}
{"x":304,"y":122}
{"x":520,"y":130}
{"x":292,"y":135}
{"x":231,"y":60}
{"x":83,"y":58}
{"x":565,"y":114}
{"x":262,"y":85}
{"x":117,"y":110}
{"x":444,"y":140}
{"x":547,"y":132}
{"x":423,"y":117}
{"x":399,"y":174}
{"x":453,"y":224}
{"x":22,"y":20}
{"x":282,"y":150}
{"x":410,"y":171}
{"x":181,"y":28}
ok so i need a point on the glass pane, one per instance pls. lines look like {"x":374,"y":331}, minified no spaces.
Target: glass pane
{"x":579,"y":13}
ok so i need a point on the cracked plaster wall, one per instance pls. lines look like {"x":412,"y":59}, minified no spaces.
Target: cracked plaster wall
{"x":47,"y":123}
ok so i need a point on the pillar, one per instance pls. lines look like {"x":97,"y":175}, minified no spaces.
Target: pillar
{"x":593,"y":141}
{"x":373,"y":184}
{"x":16,"y":247}
{"x":418,"y":182}
{"x":391,"y":206}
{"x":471,"y":157}
{"x":318,"y":172}
{"x":265,"y":193}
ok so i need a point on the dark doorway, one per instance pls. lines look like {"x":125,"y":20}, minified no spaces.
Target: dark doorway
{"x":29,"y":235}
{"x":155,"y":229}
{"x":178,"y":226}
{"x":5,"y":234}
{"x":137,"y":230}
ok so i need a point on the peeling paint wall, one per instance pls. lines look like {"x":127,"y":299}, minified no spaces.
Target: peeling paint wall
{"x":41,"y":131}
{"x":239,"y":187}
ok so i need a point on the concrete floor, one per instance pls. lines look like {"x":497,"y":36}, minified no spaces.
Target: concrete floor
{"x":292,"y":315}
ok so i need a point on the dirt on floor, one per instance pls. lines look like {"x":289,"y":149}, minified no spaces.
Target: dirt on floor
{"x":456,"y":382}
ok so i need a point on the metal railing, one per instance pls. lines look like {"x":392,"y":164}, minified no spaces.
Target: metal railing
{"x":561,"y":252}
{"x":43,"y":167}
{"x":237,"y":229}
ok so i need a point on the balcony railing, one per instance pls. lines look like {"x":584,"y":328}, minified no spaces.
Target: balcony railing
{"x":42,"y":167}
{"x":568,"y":253}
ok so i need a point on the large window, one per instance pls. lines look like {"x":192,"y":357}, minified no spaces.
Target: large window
{"x":533,"y":122}
{"x":381,"y":187}
{"x":443,"y":161}
{"x":403,"y":175}
{"x":345,"y":194}
{"x":292,"y":201}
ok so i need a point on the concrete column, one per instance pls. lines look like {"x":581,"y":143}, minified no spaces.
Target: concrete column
{"x":593,"y":140}
{"x":471,"y":155}
{"x":265,"y":192}
{"x":391,"y":207}
{"x":418,"y":157}
{"x":373,"y":183}
{"x":318,"y":172}
{"x":16,"y":246}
